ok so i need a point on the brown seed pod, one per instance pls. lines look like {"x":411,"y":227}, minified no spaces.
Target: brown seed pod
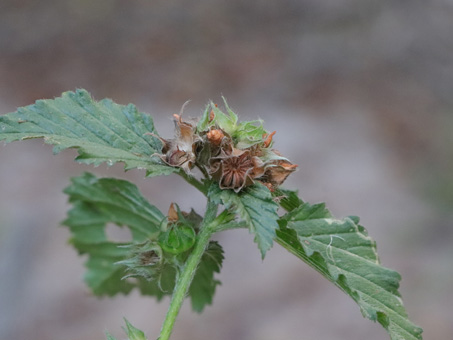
{"x":215,"y":137}
{"x":180,"y":151}
{"x":233,"y":171}
{"x":277,"y":173}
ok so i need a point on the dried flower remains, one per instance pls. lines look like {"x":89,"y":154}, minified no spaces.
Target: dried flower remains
{"x":236,"y":155}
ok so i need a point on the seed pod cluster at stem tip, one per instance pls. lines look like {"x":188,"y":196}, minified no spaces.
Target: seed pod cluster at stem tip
{"x":235,"y":155}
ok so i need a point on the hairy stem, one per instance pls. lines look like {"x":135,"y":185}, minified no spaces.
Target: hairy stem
{"x":203,"y":170}
{"x":196,"y":183}
{"x":188,"y":272}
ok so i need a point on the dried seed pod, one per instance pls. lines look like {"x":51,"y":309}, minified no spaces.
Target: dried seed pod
{"x":277,"y":173}
{"x":235,"y":159}
{"x":184,"y":133}
{"x":180,"y":151}
{"x":233,"y":172}
{"x":215,"y":137}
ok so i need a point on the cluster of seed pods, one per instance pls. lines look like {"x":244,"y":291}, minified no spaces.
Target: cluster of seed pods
{"x":220,"y":157}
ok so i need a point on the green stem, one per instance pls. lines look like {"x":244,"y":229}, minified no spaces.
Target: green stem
{"x":203,"y":171}
{"x":188,"y":272}
{"x":196,"y":183}
{"x":231,"y":225}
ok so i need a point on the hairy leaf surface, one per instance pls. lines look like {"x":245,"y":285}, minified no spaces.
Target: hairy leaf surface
{"x":101,"y":131}
{"x":99,"y":201}
{"x":342,"y":251}
{"x":255,"y":206}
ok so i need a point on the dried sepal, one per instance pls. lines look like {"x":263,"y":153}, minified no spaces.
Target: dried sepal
{"x":180,"y":151}
{"x":144,"y":260}
{"x":236,"y":168}
{"x":184,"y":132}
{"x":277,"y":173}
{"x":172,"y":213}
{"x":268,"y":139}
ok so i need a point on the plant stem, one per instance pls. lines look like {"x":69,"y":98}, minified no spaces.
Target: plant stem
{"x":196,"y":183}
{"x":188,"y":272}
{"x":203,"y":171}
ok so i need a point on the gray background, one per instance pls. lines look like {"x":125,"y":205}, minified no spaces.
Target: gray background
{"x":359,"y":93}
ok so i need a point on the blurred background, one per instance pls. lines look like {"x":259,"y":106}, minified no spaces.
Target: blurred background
{"x":360,"y":93}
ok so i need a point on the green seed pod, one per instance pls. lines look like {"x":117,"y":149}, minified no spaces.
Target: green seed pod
{"x":177,"y":239}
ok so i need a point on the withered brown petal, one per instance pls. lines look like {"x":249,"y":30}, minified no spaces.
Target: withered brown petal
{"x":172,"y":213}
{"x":277,"y":174}
{"x":185,"y":131}
{"x":176,"y":157}
{"x":268,"y":140}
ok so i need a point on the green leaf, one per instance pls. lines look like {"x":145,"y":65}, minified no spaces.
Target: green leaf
{"x":132,"y":332}
{"x":248,"y":134}
{"x":109,"y":336}
{"x":204,"y":123}
{"x":288,"y":199}
{"x":101,"y":131}
{"x":226,"y":122}
{"x":97,"y":202}
{"x":111,"y":200}
{"x":342,"y":251}
{"x":102,"y":275}
{"x":244,"y":135}
{"x":203,"y":286}
{"x":255,"y":206}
